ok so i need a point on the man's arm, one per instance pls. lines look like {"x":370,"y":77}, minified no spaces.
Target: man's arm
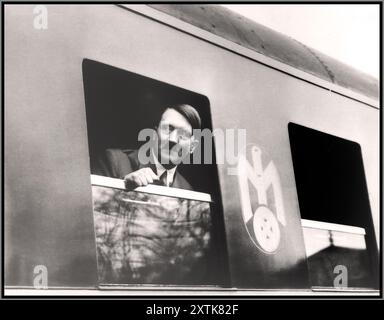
{"x":140,"y":178}
{"x":121,"y":166}
{"x":118,"y":163}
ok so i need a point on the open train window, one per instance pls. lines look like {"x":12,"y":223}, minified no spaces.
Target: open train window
{"x":335,"y":210}
{"x":169,"y":234}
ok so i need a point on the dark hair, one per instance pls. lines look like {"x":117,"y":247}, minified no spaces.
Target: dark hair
{"x":189,"y":112}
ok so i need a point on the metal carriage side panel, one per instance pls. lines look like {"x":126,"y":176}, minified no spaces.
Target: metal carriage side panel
{"x":48,"y":191}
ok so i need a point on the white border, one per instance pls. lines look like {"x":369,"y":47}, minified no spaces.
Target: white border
{"x":153,"y":189}
{"x":205,"y":35}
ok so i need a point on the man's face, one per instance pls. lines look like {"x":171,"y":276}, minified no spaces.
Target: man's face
{"x":175,"y":138}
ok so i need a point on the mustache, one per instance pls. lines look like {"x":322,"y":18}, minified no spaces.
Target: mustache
{"x":170,"y":146}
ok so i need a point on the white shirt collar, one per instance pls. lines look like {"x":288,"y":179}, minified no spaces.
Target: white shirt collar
{"x":160,"y":170}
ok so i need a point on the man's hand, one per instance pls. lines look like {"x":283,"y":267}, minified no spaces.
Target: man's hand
{"x":140,"y":178}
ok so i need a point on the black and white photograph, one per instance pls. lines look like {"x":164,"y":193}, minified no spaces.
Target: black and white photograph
{"x":191,"y":150}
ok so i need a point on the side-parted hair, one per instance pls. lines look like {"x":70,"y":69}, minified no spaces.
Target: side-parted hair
{"x":189,"y":112}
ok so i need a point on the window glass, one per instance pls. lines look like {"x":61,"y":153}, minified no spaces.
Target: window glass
{"x":334,"y":206}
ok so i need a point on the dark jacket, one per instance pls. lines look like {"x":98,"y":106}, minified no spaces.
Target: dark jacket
{"x":122,"y":162}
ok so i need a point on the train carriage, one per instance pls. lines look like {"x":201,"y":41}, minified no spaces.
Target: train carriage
{"x":295,"y":207}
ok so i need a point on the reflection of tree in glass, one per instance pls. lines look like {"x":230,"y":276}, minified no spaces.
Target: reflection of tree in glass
{"x":145,"y":238}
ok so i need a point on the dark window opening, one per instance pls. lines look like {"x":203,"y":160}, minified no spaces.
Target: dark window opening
{"x":119,"y":104}
{"x":331,"y":188}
